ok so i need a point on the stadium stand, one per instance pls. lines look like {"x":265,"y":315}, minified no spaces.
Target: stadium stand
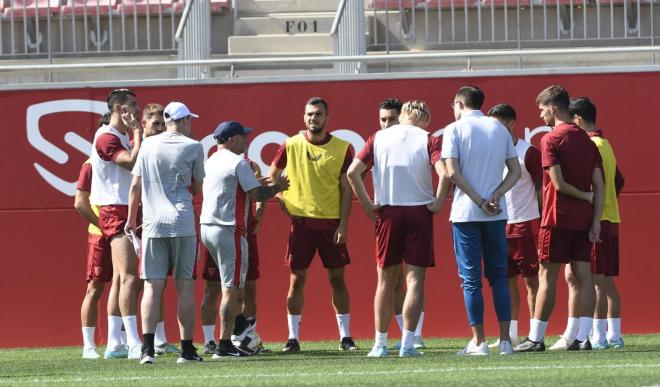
{"x":28,"y":8}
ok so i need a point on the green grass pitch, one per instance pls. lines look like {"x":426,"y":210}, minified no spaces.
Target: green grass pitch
{"x":320,"y":363}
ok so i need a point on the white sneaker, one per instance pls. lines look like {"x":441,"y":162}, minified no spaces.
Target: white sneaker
{"x":90,"y":353}
{"x":496,"y":345}
{"x":560,"y":345}
{"x":506,"y":348}
{"x":473,"y":349}
{"x":135,"y":352}
{"x":418,"y":342}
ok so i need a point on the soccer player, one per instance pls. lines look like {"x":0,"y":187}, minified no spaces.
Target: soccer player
{"x":246,"y":321}
{"x":112,"y":158}
{"x":605,"y":255}
{"x":318,"y":202}
{"x":388,"y":114}
{"x":168,"y":172}
{"x":570,"y":221}
{"x":228,"y":189}
{"x":99,"y":263}
{"x":522,"y":204}
{"x":475,"y":149}
{"x":401,"y":157}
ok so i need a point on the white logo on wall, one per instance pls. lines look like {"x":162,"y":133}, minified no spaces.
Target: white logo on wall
{"x":257,"y":144}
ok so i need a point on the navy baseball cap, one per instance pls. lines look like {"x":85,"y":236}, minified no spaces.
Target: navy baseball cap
{"x":228,"y":129}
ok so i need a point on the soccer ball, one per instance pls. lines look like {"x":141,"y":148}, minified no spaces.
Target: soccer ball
{"x":251,"y":343}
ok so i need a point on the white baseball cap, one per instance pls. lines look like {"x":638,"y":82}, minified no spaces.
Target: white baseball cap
{"x":176,"y":110}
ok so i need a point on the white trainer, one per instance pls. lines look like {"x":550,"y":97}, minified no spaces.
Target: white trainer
{"x":90,"y":353}
{"x":560,"y":345}
{"x":473,"y":349}
{"x":505,"y":348}
{"x":135,"y":352}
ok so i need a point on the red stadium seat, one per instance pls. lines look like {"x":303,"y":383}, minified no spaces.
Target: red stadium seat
{"x":80,"y":7}
{"x":20,"y":8}
{"x":447,"y":4}
{"x":142,"y":7}
{"x":393,"y":4}
{"x":216,"y":5}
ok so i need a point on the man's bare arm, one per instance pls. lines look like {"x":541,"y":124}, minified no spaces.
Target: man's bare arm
{"x":355,"y":176}
{"x":454,"y":174}
{"x":442,"y":190}
{"x":346,"y":197}
{"x":512,"y":176}
{"x":563,"y":187}
{"x":134,"y":198}
{"x":598,"y":185}
{"x":84,"y":207}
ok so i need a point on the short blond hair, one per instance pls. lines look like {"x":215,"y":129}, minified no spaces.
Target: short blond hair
{"x":416,"y":111}
{"x":151,"y":110}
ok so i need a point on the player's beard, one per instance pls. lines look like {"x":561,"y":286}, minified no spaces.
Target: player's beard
{"x":316,"y":129}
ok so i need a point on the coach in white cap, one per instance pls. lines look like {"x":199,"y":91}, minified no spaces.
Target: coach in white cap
{"x":168,"y":172}
{"x":230,"y":184}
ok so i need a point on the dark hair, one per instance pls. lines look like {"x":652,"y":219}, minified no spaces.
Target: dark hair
{"x":584,"y":108}
{"x":314,"y":101}
{"x":471,"y":96}
{"x":554,"y":95}
{"x":105,"y":119}
{"x":391,"y":103}
{"x":118,"y":96}
{"x":502,"y":110}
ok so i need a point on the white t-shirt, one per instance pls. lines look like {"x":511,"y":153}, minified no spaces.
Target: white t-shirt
{"x":482,"y":145}
{"x":521,"y":201}
{"x":110,"y":181}
{"x":167,"y":163}
{"x":228,"y":179}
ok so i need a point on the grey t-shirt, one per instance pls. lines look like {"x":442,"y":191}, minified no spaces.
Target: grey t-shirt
{"x":168,"y":163}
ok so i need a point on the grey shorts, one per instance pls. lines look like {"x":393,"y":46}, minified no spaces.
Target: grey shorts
{"x":161,"y":254}
{"x":229,"y":250}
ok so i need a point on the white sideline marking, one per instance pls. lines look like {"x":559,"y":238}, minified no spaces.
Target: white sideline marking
{"x":323,"y":374}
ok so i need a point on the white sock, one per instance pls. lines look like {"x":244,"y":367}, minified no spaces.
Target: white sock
{"x":399,"y":320}
{"x":537,"y":330}
{"x":381,"y":339}
{"x":407,"y":339}
{"x":209,"y":333}
{"x":344,"y":325}
{"x":294,"y":325}
{"x":122,"y":337}
{"x":613,"y":329}
{"x":599,"y":330}
{"x":572,"y":326}
{"x":420,"y":324}
{"x":114,"y":332}
{"x":160,"y":337}
{"x":132,"y":336}
{"x":513,"y":330}
{"x":88,"y":336}
{"x":585,"y":328}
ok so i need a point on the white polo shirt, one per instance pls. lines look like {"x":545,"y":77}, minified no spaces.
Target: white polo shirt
{"x":482,"y":145}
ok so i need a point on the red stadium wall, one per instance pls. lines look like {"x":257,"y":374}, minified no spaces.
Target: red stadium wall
{"x":44,"y":239}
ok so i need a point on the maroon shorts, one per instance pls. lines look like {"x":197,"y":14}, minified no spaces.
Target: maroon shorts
{"x":307,"y":235}
{"x":99,"y":259}
{"x":523,"y":258}
{"x":112,"y":219}
{"x":404,"y":233}
{"x":558,"y":245}
{"x":605,"y":255}
{"x":211,"y":272}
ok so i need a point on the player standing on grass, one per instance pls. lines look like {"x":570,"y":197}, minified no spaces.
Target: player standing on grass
{"x":99,"y":263}
{"x":168,"y":172}
{"x":605,"y":255}
{"x":112,"y":158}
{"x":522,"y":204}
{"x":476,"y":149}
{"x":318,"y":202}
{"x":403,"y":207}
{"x":570,"y":221}
{"x":229,"y":186}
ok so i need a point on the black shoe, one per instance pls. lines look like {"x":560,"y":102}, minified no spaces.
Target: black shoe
{"x":577,"y":345}
{"x":528,"y":345}
{"x":209,"y":348}
{"x":242,"y":327}
{"x":227,"y":351}
{"x":147,"y":358}
{"x":585,"y":345}
{"x":347,"y":344}
{"x":189,"y":356}
{"x":292,"y":345}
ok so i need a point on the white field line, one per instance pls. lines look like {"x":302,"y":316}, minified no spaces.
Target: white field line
{"x":188,"y":378}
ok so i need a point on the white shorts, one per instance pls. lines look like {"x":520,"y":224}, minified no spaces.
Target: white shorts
{"x":161,"y":254}
{"x":229,"y":249}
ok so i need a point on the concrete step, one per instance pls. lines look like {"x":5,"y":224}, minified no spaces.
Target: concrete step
{"x":262,"y":7}
{"x":285,"y":23}
{"x":281,"y":44}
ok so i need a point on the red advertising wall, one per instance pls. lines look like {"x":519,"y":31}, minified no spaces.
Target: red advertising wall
{"x":43,"y":243}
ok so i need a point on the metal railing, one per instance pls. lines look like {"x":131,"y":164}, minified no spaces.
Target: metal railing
{"x":470,"y":24}
{"x":348,"y":33}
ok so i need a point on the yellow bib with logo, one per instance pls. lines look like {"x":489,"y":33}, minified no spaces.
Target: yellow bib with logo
{"x":314,"y":172}
{"x":93,"y":229}
{"x":611,"y":204}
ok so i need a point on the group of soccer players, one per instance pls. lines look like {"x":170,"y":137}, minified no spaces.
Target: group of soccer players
{"x":515,"y":211}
